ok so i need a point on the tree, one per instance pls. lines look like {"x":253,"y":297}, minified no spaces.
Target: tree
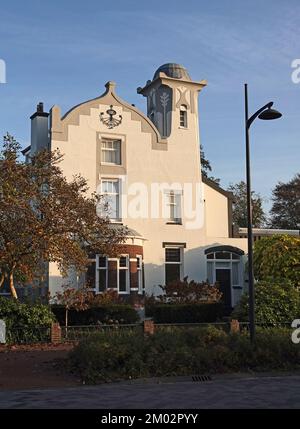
{"x":285,"y":212}
{"x":206,"y":167}
{"x":275,"y":302}
{"x":277,"y":257}
{"x":77,"y":299}
{"x":44,"y":218}
{"x":240,"y":217}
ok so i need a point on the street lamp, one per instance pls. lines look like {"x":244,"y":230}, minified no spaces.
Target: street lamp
{"x":266,"y":113}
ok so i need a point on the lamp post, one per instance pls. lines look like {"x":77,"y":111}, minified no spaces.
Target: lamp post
{"x":266,"y":113}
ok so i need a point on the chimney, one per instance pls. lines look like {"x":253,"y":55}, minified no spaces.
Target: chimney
{"x":39,"y":129}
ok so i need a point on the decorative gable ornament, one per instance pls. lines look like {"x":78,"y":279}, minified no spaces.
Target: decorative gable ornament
{"x":109,"y":120}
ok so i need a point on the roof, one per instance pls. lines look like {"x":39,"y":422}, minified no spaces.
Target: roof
{"x":270,"y":231}
{"x":27,"y":149}
{"x":176,"y":71}
{"x":217,"y":188}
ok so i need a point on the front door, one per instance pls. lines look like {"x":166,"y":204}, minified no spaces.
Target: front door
{"x":223,"y":278}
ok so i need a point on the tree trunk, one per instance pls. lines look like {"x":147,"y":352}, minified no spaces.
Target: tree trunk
{"x":2,"y":278}
{"x":12,"y":286}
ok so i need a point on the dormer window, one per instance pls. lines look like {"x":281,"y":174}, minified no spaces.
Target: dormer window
{"x":183,"y":116}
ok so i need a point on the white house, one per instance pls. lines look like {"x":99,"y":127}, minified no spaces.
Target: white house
{"x":148,"y":168}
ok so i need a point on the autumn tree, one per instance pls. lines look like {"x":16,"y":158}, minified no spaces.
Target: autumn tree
{"x":240,"y":217}
{"x":45,"y":218}
{"x":285,"y":211}
{"x":76,"y":299}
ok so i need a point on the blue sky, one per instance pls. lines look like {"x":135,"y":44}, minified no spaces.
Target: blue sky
{"x":62,"y":52}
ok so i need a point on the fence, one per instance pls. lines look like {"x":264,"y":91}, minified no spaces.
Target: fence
{"x":20,"y":335}
{"x":58,"y":334}
{"x":77,"y":333}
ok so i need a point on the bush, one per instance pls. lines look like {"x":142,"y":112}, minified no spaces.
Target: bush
{"x":185,"y":313}
{"x":208,"y":350}
{"x":277,"y":257}
{"x":122,"y":313}
{"x":25,"y":322}
{"x":189,"y":292}
{"x":275,"y":302}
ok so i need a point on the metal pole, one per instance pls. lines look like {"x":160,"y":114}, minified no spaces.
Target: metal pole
{"x":249,"y":226}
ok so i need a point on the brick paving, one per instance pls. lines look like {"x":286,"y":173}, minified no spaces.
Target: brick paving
{"x":226,"y":392}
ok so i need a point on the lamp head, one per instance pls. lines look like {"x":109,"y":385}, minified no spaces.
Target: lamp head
{"x":270,"y":114}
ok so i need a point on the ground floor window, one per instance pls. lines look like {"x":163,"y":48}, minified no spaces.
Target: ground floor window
{"x":101,"y":273}
{"x":173,"y":264}
{"x":112,"y":273}
{"x":123,"y":274}
{"x":139,"y":268}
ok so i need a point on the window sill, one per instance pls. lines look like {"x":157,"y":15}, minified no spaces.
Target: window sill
{"x":183,"y":128}
{"x":111,"y":164}
{"x":179,"y":222}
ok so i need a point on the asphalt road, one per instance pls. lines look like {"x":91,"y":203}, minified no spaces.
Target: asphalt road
{"x":224,"y":392}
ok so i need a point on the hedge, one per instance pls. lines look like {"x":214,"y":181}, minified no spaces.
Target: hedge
{"x":123,"y":313}
{"x":185,"y":313}
{"x":102,"y":358}
{"x":25,"y":323}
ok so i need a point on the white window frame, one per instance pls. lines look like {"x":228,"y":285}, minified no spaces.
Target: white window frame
{"x":183,"y":115}
{"x":230,"y":262}
{"x":98,"y":268}
{"x":181,"y":268}
{"x":127,"y":268}
{"x":114,"y":180}
{"x":172,"y":204}
{"x":112,"y":149}
{"x":139,"y":270}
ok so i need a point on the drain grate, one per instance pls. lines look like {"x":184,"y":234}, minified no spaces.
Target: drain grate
{"x":201,"y":378}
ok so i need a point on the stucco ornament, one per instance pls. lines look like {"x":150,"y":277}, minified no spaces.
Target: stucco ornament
{"x":109,"y":120}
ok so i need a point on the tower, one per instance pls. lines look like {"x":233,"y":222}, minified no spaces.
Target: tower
{"x":172,"y":99}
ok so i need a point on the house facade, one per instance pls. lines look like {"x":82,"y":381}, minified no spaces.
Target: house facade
{"x":147,"y":167}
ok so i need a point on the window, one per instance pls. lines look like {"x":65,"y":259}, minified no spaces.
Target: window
{"x":101,"y":273}
{"x":139,"y":267}
{"x":90,"y":274}
{"x":173,"y":263}
{"x":111,"y":152}
{"x":110,"y":191}
{"x":183,"y":116}
{"x":174,"y":206}
{"x":124,"y":274}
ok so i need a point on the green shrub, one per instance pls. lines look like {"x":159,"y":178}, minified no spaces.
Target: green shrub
{"x":277,"y":257}
{"x":275,"y":302}
{"x":122,"y":313}
{"x":25,"y":322}
{"x":127,"y":355}
{"x":185,"y":313}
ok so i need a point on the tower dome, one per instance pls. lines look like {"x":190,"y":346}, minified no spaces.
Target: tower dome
{"x":173,"y":70}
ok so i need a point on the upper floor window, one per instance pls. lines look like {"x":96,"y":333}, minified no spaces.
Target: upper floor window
{"x":174,"y":206}
{"x":183,"y":116}
{"x":111,"y":151}
{"x":111,"y":194}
